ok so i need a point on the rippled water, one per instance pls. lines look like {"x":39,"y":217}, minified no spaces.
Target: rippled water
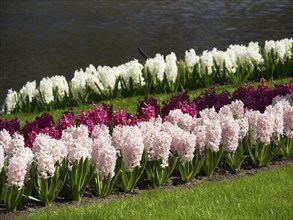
{"x":57,"y":37}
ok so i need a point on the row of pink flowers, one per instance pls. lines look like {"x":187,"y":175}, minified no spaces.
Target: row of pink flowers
{"x":179,"y":134}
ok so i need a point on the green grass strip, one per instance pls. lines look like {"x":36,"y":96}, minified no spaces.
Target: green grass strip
{"x":128,"y":104}
{"x":266,"y":195}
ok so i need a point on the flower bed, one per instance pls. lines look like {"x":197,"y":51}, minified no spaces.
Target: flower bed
{"x":236,"y":65}
{"x":102,"y":154}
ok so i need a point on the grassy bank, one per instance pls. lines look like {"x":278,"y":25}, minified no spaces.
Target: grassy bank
{"x":267,"y":195}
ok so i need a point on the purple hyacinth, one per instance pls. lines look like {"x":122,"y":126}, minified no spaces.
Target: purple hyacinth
{"x":52,"y":132}
{"x":91,"y":118}
{"x":66,"y":120}
{"x":147,"y":108}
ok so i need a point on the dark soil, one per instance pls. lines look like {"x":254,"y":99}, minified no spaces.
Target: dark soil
{"x":173,"y":182}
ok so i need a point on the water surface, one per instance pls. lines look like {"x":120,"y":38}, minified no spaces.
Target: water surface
{"x":45,"y":38}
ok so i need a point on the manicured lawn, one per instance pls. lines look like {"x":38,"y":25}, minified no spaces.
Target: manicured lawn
{"x":266,"y":195}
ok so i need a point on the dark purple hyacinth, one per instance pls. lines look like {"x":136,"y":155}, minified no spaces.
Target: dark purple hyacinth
{"x":45,"y":121}
{"x":66,"y":120}
{"x":30,"y":131}
{"x":11,"y":126}
{"x":180,"y":101}
{"x":210,"y":98}
{"x":147,"y":109}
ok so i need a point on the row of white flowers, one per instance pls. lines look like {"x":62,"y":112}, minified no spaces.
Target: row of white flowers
{"x":103,"y":79}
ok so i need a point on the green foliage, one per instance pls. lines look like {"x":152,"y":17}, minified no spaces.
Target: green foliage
{"x":235,"y":159}
{"x":286,"y":147}
{"x":104,"y":186}
{"x":129,"y":179}
{"x":190,"y":169}
{"x":79,"y":176}
{"x":212,"y":160}
{"x":157,"y":175}
{"x":260,"y":154}
{"x":48,"y":189}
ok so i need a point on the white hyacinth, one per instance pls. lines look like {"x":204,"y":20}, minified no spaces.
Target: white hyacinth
{"x":245,"y":55}
{"x":156,"y":66}
{"x":222,"y":58}
{"x":282,"y":48}
{"x":78,"y":83}
{"x":19,"y":166}
{"x":28,"y":90}
{"x":171,"y":67}
{"x":133,"y":70}
{"x":107,"y":76}
{"x":11,"y":101}
{"x":206,"y":63}
{"x":60,"y":83}
{"x":191,"y":59}
{"x":46,"y":90}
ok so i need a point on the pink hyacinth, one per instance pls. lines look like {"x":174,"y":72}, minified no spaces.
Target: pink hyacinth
{"x":243,"y":127}
{"x":17,"y":142}
{"x":161,"y":147}
{"x":149,"y":129}
{"x":5,"y":141}
{"x":78,"y":143}
{"x":230,"y":134}
{"x":47,"y":152}
{"x":101,"y":131}
{"x":104,"y":156}
{"x":200,"y":133}
{"x":184,"y":145}
{"x":101,"y":139}
{"x":213,"y":134}
{"x":288,"y":119}
{"x":132,"y":147}
{"x":252,"y":117}
{"x":209,"y":113}
{"x":19,"y":167}
{"x":265,"y":127}
{"x":237,"y":108}
{"x":173,"y":131}
{"x":118,"y":135}
{"x":278,"y":123}
{"x":2,"y":158}
{"x":177,"y":117}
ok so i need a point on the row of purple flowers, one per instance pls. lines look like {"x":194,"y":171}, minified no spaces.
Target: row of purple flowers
{"x":253,"y":98}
